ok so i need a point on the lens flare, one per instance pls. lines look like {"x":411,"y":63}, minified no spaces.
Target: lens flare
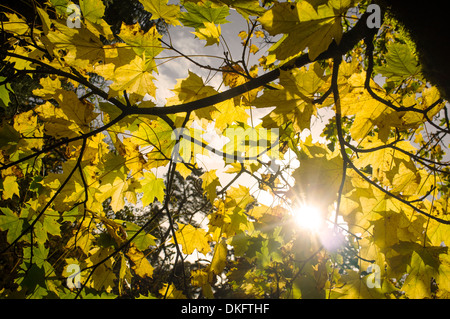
{"x":308,"y":217}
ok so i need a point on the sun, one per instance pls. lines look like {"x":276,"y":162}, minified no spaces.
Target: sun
{"x":308,"y":217}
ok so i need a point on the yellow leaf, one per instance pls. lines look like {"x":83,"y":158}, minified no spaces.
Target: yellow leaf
{"x":170,"y":292}
{"x":254,"y":49}
{"x":319,"y":176}
{"x":141,"y":42}
{"x":191,"y":89}
{"x":92,"y":10}
{"x":49,"y":87}
{"x":72,"y":117}
{"x":78,"y":46}
{"x":423,"y":267}
{"x":141,"y":265}
{"x":303,"y":26}
{"x":231,"y":76}
{"x":161,"y":10}
{"x":10,"y":187}
{"x":152,"y":188}
{"x":103,"y":277}
{"x":14,"y":24}
{"x":209,"y":184}
{"x":210,"y":33}
{"x":116,"y":191}
{"x":228,"y":113}
{"x":293,"y":101}
{"x":135,"y":77}
{"x":191,"y":238}
{"x":219,"y":258}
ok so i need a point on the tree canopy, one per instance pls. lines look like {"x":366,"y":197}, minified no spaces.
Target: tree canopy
{"x":307,"y":161}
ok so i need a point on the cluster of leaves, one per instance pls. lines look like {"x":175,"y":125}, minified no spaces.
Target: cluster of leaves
{"x":90,"y":150}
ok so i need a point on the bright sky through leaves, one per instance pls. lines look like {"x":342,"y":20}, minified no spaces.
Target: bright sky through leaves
{"x":94,"y":172}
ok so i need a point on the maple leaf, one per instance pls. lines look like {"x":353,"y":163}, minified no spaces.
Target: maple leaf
{"x":10,"y":187}
{"x":245,"y":7}
{"x":228,"y":113}
{"x":103,"y":278}
{"x":15,"y":24}
{"x":219,"y":258}
{"x":141,"y":265}
{"x":161,"y":10}
{"x":293,"y":100}
{"x":92,"y":10}
{"x":303,"y":26}
{"x":319,"y":176}
{"x":152,"y":188}
{"x":170,"y":292}
{"x":199,"y":16}
{"x":400,"y":63}
{"x":191,"y":89}
{"x":210,"y":32}
{"x":12,"y":223}
{"x":141,"y":42}
{"x":192,"y":238}
{"x":210,"y":183}
{"x":356,"y":287}
{"x":135,"y":77}
{"x":79,"y":46}
{"x":158,"y":139}
{"x":423,"y":266}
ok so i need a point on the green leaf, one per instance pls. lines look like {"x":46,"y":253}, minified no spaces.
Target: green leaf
{"x":161,"y":10}
{"x":11,"y":223}
{"x":245,"y":7}
{"x":60,"y":6}
{"x":4,"y":94}
{"x":143,"y":240}
{"x":197,"y":15}
{"x":400,"y":63}
{"x":152,"y":188}
{"x":93,"y":10}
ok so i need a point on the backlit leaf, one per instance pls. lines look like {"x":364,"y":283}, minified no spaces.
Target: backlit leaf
{"x":192,"y":238}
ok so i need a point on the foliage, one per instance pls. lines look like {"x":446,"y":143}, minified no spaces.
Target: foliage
{"x":81,"y":166}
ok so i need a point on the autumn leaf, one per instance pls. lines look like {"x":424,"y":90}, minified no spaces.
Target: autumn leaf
{"x":210,"y":183}
{"x":319,"y":176}
{"x":141,"y":42}
{"x":219,"y":258}
{"x":10,"y":187}
{"x":141,"y":265}
{"x":11,"y":223}
{"x":92,"y":10}
{"x":192,"y":238}
{"x":79,"y":47}
{"x":303,"y":25}
{"x":106,"y":123}
{"x":152,"y":188}
{"x":135,"y":77}
{"x":210,"y":33}
{"x":191,"y":89}
{"x":161,"y":10}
